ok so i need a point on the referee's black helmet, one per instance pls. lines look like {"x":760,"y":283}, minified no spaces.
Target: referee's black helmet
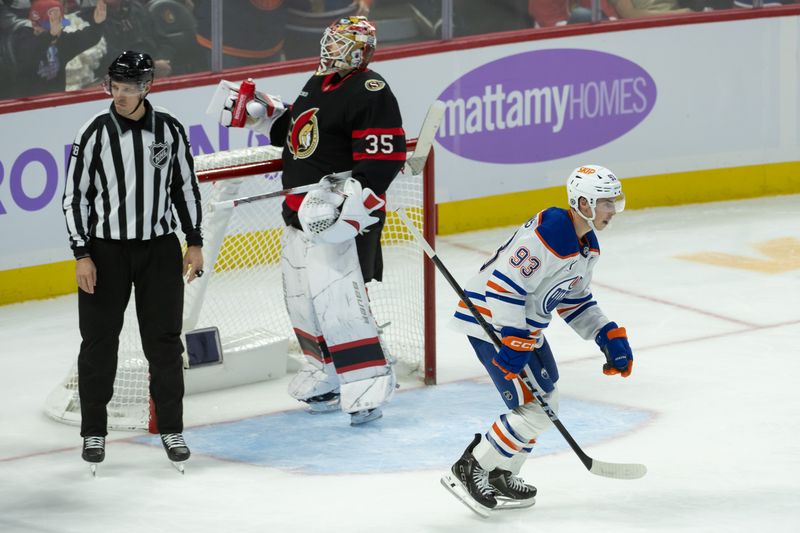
{"x":132,"y":67}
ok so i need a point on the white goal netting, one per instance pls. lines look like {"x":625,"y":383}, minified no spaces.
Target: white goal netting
{"x":242,"y":294}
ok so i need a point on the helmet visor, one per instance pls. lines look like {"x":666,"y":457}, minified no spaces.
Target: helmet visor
{"x":615,"y":204}
{"x":113,"y":87}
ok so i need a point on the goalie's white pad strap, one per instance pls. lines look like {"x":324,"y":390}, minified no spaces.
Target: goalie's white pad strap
{"x":311,"y":381}
{"x":367,"y":393}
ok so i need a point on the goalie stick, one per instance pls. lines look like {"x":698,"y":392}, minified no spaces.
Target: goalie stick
{"x":600,"y":468}
{"x":415,"y":163}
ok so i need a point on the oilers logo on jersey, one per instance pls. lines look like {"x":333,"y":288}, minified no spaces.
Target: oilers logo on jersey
{"x":554,"y":296}
{"x":304,"y":134}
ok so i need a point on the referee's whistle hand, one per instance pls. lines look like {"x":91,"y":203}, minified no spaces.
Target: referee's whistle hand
{"x":192,"y":263}
{"x":86,"y":274}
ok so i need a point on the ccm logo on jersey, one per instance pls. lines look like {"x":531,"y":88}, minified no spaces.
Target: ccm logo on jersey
{"x":519,"y":344}
{"x":374,"y":85}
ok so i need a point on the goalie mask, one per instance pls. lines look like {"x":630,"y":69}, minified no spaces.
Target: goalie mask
{"x":347,"y":44}
{"x":594,"y":182}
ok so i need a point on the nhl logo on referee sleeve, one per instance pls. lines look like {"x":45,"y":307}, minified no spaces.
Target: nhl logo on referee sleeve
{"x":374,"y":85}
{"x":159,"y":154}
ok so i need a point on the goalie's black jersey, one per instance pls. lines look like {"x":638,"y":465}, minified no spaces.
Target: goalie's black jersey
{"x":339,"y":124}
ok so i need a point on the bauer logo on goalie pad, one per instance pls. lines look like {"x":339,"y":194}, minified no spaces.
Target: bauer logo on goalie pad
{"x":159,"y":154}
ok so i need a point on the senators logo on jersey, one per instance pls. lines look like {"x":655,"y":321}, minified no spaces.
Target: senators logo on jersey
{"x":303,"y":136}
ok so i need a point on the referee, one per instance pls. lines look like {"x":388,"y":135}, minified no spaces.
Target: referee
{"x":130,"y":173}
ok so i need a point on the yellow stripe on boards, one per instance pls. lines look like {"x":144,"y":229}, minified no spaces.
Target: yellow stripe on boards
{"x":783,"y":254}
{"x":648,"y":191}
{"x":37,"y":282}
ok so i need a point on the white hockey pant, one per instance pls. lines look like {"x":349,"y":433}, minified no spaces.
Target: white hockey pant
{"x":510,"y":440}
{"x":327,"y":303}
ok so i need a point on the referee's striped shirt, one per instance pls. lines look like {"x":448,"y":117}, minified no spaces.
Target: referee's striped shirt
{"x":124,"y":177}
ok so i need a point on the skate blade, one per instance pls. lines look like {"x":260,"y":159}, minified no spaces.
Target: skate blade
{"x":178,"y":466}
{"x":93,"y":469}
{"x":505,"y":504}
{"x":454,"y":486}
{"x":357,"y":419}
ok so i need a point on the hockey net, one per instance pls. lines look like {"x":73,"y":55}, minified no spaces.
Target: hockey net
{"x":242,"y":294}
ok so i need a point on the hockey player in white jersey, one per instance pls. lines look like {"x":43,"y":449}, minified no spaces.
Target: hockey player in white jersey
{"x":544,"y":267}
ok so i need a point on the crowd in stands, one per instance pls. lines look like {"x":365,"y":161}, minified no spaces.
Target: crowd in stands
{"x":55,"y":45}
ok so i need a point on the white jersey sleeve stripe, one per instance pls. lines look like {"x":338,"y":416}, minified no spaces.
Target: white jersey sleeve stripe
{"x":508,"y":281}
{"x":575,"y":313}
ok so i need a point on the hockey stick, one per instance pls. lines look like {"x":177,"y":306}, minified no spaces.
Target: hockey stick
{"x":302,"y":189}
{"x":600,"y":468}
{"x":425,"y":138}
{"x":416,"y":162}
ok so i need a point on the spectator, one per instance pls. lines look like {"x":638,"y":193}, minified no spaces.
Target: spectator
{"x":548,"y":13}
{"x":306,"y":19}
{"x":131,"y":25}
{"x":43,"y":50}
{"x":11,"y":25}
{"x":647,"y":8}
{"x":252,"y":31}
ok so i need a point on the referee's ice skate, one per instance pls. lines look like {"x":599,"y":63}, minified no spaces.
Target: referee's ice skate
{"x":176,"y":448}
{"x":94,"y":452}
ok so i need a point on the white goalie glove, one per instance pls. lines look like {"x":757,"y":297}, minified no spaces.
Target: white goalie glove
{"x":334,"y":216}
{"x":261,"y":111}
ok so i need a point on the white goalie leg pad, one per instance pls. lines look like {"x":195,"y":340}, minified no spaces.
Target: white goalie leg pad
{"x":368,"y":393}
{"x":294,"y":275}
{"x":317,"y":376}
{"x":342,"y":308}
{"x":339,"y":297}
{"x":311,"y":381}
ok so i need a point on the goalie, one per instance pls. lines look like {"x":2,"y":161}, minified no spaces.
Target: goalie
{"x":345,"y":119}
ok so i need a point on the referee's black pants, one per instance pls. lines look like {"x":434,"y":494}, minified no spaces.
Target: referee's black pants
{"x":154,"y":268}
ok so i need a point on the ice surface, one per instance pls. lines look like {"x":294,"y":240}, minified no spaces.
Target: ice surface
{"x":712,"y":409}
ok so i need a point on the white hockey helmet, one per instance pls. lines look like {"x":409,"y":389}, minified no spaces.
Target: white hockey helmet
{"x":594,"y":182}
